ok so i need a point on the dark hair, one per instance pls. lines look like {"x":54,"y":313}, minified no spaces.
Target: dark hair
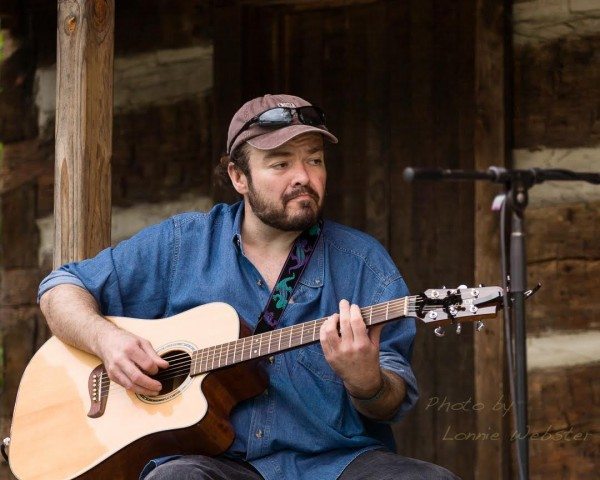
{"x":240,"y":157}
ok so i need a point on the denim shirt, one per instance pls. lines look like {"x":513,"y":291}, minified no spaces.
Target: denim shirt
{"x":304,"y":426}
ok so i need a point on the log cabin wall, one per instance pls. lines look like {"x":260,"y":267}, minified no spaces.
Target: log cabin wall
{"x":556,"y":124}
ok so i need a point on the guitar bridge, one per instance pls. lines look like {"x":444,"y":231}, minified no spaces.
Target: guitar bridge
{"x":98,"y":385}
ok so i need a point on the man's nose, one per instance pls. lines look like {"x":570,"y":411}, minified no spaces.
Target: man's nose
{"x":300,"y":174}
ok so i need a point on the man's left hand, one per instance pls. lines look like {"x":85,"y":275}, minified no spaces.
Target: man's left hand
{"x":352,"y":350}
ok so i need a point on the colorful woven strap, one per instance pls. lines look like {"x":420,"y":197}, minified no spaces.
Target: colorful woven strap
{"x":292,"y":270}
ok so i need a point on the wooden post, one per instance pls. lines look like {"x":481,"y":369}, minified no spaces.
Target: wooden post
{"x":492,"y":457}
{"x":84,"y":91}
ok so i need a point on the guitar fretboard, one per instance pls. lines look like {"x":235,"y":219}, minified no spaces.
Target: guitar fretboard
{"x":274,"y":341}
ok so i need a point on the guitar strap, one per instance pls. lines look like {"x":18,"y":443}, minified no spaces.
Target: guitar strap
{"x":292,"y":270}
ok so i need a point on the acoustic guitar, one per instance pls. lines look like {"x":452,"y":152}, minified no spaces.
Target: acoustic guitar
{"x":71,"y":421}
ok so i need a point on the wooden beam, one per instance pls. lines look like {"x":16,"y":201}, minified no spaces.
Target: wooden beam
{"x":492,"y":457}
{"x":82,"y":196}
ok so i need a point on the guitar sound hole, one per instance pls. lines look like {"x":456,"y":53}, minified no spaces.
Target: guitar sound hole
{"x":179,"y":369}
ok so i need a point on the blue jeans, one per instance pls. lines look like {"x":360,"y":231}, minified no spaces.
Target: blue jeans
{"x":374,"y":464}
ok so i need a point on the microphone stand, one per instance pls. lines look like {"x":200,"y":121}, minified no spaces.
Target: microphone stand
{"x":517,"y":184}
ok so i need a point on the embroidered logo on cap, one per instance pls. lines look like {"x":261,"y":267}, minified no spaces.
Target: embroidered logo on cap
{"x":287,"y":104}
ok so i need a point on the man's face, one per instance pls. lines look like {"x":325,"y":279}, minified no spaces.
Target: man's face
{"x":286,"y":186}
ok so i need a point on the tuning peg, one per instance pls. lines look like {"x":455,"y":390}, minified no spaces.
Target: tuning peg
{"x":460,"y":287}
{"x":481,"y":285}
{"x":458,"y":328}
{"x":439,"y":332}
{"x":479,"y":325}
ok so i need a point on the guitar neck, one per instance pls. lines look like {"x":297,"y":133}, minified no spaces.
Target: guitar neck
{"x":282,"y":339}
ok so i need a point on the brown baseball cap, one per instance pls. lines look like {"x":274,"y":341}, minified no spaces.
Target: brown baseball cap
{"x":265,"y":138}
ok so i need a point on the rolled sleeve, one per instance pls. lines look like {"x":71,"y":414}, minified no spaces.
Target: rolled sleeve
{"x":131,"y":279}
{"x":57,"y":277}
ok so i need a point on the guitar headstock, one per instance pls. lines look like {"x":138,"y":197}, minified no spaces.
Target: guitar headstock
{"x":446,"y":306}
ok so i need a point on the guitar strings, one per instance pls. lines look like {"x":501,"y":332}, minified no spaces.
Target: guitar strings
{"x":181,"y":366}
{"x":184,"y":359}
{"x":292,"y":338}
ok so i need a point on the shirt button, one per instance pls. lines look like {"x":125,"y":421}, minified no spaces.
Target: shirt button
{"x":259,"y":282}
{"x":318,"y":282}
{"x":271,"y":359}
{"x":258,"y":434}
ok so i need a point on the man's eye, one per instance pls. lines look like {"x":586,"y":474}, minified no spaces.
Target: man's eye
{"x":279,"y":165}
{"x":316,"y":161}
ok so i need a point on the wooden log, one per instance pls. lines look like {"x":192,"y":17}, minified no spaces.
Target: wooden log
{"x":19,"y":286}
{"x":83,"y":128}
{"x":161,"y":152}
{"x":564,"y":255}
{"x":17,"y":118}
{"x":140,"y":26}
{"x":557,"y":93}
{"x":564,"y":412}
{"x":492,"y":458}
{"x":19,"y":238}
{"x":23,"y":162}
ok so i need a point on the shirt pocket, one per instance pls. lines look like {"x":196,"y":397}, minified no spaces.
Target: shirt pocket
{"x":323,"y":392}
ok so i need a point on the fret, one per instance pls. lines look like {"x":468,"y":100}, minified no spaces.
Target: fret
{"x":270,"y":340}
{"x":220,"y":355}
{"x":314,"y":328}
{"x":301,"y":334}
{"x":205,"y":353}
{"x":195,"y":360}
{"x":387,"y":310}
{"x":202,"y":360}
{"x":291,"y":329}
{"x":279,"y":344}
{"x":227,"y":362}
{"x":212,"y":355}
{"x":371,"y":316}
{"x":243,"y":347}
{"x":260,"y":339}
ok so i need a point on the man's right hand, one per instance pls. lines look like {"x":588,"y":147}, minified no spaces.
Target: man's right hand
{"x":74,"y":316}
{"x":129,"y":359}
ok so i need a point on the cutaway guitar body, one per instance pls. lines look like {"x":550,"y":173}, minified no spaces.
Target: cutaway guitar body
{"x":54,"y":438}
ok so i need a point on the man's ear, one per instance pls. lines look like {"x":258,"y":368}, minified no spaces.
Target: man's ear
{"x":238,"y":179}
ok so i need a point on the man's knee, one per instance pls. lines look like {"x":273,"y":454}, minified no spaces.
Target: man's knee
{"x":430,"y":471}
{"x":183,"y":468}
{"x":386,"y":465}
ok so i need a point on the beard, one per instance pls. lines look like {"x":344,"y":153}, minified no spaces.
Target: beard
{"x":275,"y":214}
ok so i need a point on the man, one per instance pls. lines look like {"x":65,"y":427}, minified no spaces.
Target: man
{"x":327,"y":410}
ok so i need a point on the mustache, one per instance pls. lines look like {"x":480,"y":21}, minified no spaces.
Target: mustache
{"x":306,"y":190}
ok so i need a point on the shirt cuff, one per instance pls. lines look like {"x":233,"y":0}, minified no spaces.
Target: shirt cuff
{"x":398,"y":365}
{"x":58,"y":277}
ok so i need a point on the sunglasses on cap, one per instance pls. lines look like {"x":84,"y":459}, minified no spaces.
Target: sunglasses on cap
{"x":281,"y":117}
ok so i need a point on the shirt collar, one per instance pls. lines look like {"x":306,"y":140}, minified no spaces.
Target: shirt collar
{"x":314,"y":273}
